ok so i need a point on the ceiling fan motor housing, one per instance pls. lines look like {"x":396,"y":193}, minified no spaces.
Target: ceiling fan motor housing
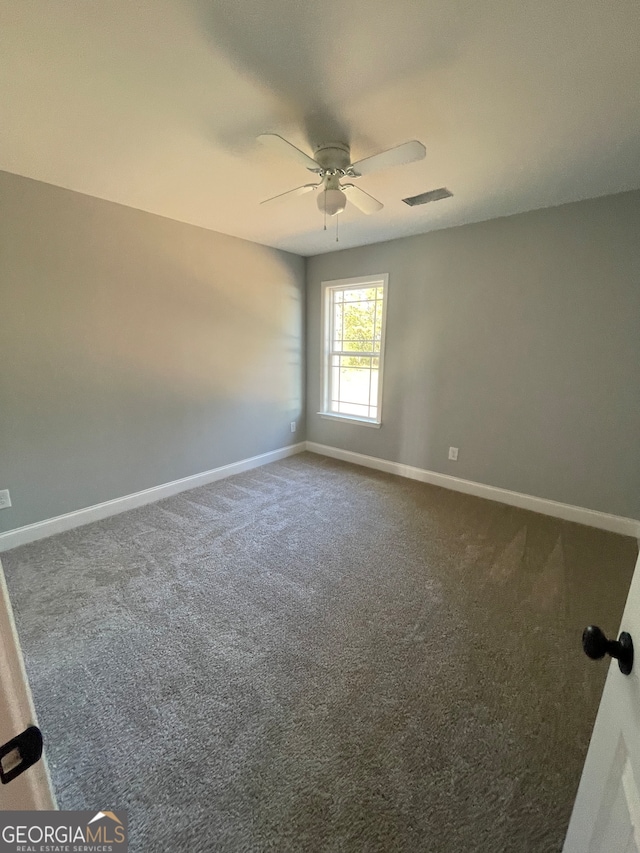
{"x":333,"y":155}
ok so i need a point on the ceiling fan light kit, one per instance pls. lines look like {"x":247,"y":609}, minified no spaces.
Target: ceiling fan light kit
{"x":331,"y":201}
{"x":332,"y":162}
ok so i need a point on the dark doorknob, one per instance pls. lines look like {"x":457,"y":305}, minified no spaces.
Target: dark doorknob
{"x":596,"y":646}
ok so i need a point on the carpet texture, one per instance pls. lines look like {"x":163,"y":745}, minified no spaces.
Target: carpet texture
{"x":313,"y":656}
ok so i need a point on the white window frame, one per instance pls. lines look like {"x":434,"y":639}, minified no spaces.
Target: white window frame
{"x":328,"y":287}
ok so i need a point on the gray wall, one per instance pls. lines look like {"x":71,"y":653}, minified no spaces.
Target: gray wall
{"x":135,"y":350}
{"x":516,"y":340}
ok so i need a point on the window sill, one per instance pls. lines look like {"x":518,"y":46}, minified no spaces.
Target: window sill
{"x":350,"y":419}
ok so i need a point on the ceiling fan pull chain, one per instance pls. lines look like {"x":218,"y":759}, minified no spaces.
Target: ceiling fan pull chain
{"x":337,"y":220}
{"x":325,"y":208}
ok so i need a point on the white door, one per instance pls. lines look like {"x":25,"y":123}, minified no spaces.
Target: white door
{"x":606,"y":814}
{"x":32,"y":789}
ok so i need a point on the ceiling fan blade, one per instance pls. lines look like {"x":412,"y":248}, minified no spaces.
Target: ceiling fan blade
{"x":408,"y":152}
{"x":362,"y":200}
{"x":298,"y":191}
{"x":282,"y":147}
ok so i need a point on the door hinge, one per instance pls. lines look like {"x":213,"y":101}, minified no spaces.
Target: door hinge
{"x":20,"y":753}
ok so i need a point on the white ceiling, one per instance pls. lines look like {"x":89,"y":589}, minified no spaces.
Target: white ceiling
{"x":157,"y":105}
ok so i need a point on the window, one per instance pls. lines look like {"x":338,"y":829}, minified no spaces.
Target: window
{"x":354,"y":313}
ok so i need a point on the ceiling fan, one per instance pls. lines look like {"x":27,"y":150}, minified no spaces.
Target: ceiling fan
{"x":332,"y":162}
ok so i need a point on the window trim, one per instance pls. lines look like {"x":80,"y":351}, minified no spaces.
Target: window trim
{"x":327,"y":288}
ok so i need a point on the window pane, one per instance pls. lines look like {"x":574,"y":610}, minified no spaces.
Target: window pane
{"x":377,"y":333}
{"x":359,"y":346}
{"x":373,"y":392}
{"x":337,"y":325}
{"x":335,"y":382}
{"x":359,"y":321}
{"x":360,"y":294}
{"x":355,"y":361}
{"x":352,"y":409}
{"x":354,"y":385}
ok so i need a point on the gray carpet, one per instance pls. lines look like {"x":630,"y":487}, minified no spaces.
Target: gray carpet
{"x":317,"y":657}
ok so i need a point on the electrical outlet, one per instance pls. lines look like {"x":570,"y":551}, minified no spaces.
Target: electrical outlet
{"x":5,"y":499}
{"x":453,"y":454}
{"x":293,"y":426}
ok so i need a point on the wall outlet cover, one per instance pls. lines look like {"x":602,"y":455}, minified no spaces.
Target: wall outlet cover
{"x":5,"y":499}
{"x":293,"y":426}
{"x":453,"y":453}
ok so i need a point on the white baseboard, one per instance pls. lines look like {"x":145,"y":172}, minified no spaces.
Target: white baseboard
{"x":51,"y":526}
{"x":567,"y":512}
{"x":31,"y":532}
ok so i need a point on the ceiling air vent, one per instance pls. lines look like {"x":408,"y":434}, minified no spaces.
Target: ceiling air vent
{"x":432,"y":195}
